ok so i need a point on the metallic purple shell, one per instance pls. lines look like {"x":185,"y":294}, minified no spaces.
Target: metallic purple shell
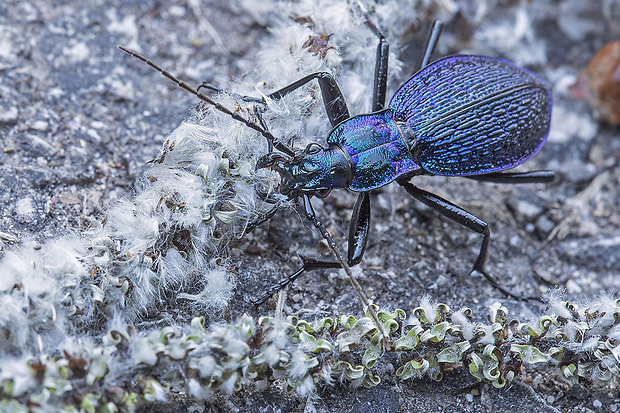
{"x":473,"y":115}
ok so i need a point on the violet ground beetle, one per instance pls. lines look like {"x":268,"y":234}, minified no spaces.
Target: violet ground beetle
{"x":468,"y":116}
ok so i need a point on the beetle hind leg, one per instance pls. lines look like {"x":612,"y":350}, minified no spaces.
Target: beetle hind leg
{"x":468,"y":220}
{"x":530,"y":177}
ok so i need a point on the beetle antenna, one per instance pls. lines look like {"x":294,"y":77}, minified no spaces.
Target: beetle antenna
{"x":183,"y":85}
{"x":311,"y":215}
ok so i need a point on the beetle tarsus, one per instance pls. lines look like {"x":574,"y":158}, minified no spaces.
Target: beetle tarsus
{"x":503,"y":290}
{"x":307,"y":264}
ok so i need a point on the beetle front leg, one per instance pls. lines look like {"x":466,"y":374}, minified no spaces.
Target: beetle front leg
{"x":358,"y":237}
{"x":271,"y":140}
{"x":307,"y":264}
{"x":333,"y":99}
{"x":251,"y":226}
{"x":468,"y":220}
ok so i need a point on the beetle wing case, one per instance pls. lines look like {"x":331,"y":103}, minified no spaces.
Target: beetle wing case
{"x":473,"y":115}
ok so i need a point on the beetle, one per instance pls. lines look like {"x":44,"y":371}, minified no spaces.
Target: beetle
{"x":466,"y":116}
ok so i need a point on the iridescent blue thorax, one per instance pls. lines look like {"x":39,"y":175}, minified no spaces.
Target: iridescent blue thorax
{"x":378,"y":146}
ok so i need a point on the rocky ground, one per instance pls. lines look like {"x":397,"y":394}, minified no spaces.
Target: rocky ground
{"x":78,"y":122}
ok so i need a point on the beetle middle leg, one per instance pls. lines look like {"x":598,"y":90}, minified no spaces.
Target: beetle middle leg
{"x":431,"y":43}
{"x":468,"y":220}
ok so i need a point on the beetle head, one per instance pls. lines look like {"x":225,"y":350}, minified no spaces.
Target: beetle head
{"x":305,"y":173}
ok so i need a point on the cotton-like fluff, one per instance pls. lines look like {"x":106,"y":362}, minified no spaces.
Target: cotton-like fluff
{"x":40,"y":288}
{"x":429,"y":309}
{"x":468,"y":328}
{"x":217,"y":290}
{"x":167,"y":242}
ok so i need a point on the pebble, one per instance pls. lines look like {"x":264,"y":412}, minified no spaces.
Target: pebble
{"x":597,"y":403}
{"x":176,"y":11}
{"x":544,"y":225}
{"x":77,"y":52}
{"x":515,"y":241}
{"x":42,"y":162}
{"x":25,"y":207}
{"x":40,"y":125}
{"x":528,"y":209}
{"x":9,"y":116}
{"x":579,"y":392}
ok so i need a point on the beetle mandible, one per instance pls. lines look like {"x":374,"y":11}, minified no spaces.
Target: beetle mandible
{"x":467,"y":116}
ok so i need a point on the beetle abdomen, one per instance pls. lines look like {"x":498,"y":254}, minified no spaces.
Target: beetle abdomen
{"x":378,"y":153}
{"x":473,"y":115}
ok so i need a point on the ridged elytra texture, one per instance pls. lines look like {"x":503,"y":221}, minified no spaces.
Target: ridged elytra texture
{"x":472,"y":115}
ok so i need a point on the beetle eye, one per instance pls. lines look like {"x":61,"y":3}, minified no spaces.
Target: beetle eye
{"x":313,"y":148}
